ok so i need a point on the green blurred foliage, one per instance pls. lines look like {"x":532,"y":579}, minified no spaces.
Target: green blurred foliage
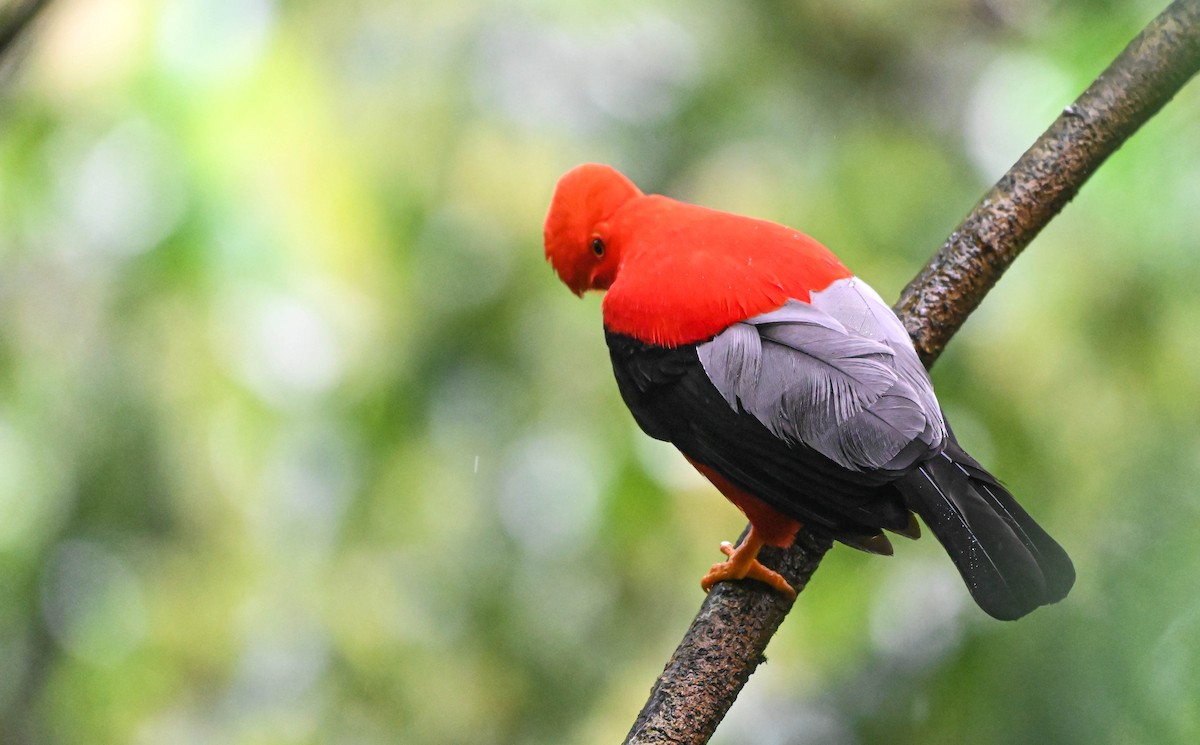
{"x":301,"y":441}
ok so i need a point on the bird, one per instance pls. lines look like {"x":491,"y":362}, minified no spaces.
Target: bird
{"x":790,"y":385}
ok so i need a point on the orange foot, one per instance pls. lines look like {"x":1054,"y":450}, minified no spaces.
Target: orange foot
{"x":743,"y":564}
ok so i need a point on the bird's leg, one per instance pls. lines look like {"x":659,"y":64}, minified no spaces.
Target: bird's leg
{"x":743,"y":564}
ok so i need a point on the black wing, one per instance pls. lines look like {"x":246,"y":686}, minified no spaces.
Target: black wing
{"x":673,"y":398}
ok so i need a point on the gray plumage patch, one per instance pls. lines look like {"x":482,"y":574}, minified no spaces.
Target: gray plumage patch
{"x":838,"y":375}
{"x":864,"y":313}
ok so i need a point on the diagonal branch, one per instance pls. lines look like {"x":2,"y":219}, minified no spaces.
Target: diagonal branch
{"x":1147,"y":74}
{"x":729,"y":635}
{"x":15,"y":19}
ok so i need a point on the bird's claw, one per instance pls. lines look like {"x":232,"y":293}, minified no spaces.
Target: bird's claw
{"x":737,"y":568}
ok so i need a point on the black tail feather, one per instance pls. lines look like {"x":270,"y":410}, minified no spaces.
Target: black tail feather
{"x":1010,"y":565}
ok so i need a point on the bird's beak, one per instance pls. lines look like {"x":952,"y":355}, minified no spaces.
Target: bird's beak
{"x":580,"y":284}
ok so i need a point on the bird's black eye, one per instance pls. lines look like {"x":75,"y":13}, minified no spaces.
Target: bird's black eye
{"x":597,"y":247}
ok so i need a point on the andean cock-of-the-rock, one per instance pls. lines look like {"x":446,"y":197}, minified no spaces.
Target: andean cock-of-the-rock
{"x":790,"y":385}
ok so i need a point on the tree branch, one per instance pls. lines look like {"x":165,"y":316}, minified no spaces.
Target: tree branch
{"x":14,"y":20}
{"x":1147,"y":74}
{"x":726,"y":641}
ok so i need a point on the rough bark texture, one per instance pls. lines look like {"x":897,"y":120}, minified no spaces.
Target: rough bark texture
{"x":723,"y":647}
{"x":726,"y":642}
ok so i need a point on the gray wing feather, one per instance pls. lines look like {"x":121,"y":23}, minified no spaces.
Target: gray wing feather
{"x":838,"y":384}
{"x":737,"y":358}
{"x":860,"y":309}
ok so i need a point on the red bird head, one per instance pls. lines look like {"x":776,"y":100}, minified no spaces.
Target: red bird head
{"x":578,"y":243}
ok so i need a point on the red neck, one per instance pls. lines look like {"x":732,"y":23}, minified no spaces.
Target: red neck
{"x":688,"y":272}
